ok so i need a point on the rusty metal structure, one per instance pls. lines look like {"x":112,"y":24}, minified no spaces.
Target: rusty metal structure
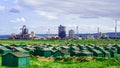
{"x":23,"y":34}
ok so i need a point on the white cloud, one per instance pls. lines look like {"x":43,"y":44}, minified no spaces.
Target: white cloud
{"x":2,"y":8}
{"x":47,"y":15}
{"x":83,"y":8}
{"x":22,"y":19}
{"x":16,"y":1}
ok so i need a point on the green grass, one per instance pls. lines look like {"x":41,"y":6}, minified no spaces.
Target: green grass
{"x":101,"y":63}
{"x":57,"y":42}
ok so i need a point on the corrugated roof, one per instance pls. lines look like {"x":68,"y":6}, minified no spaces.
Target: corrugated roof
{"x":65,"y":51}
{"x":20,"y":49}
{"x":18,"y":54}
{"x":46,"y":49}
{"x":86,"y":52}
{"x":76,"y":51}
{"x":97,"y":51}
{"x":3,"y":48}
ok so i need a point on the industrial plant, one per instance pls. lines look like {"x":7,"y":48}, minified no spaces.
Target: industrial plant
{"x":62,"y":34}
{"x":24,"y":34}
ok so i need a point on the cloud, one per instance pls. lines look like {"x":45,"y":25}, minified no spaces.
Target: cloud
{"x":16,"y":1}
{"x":47,"y":15}
{"x":22,"y":19}
{"x":83,"y":8}
{"x":14,"y":10}
{"x":2,"y":8}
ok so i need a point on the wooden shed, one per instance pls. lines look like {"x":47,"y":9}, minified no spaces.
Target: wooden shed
{"x":114,"y":52}
{"x":75,"y":53}
{"x":30,"y":50}
{"x":74,"y":48}
{"x":97,"y":53}
{"x":43,"y":52}
{"x":81,"y":47}
{"x":4,"y":50}
{"x":118,"y":48}
{"x":106,"y":54}
{"x":64,"y":53}
{"x":15,"y":59}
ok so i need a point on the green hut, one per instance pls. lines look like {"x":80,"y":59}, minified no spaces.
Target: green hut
{"x":74,"y":48}
{"x":89,"y":48}
{"x":74,"y":53}
{"x":30,"y":50}
{"x":81,"y":47}
{"x":4,"y":50}
{"x":64,"y":53}
{"x":46,"y":52}
{"x":106,"y":54}
{"x":15,"y":59}
{"x":97,"y":53}
{"x":118,"y":48}
{"x":99,"y":48}
{"x":54,"y":48}
{"x":64,"y":47}
{"x":108,"y":48}
{"x":114,"y":52}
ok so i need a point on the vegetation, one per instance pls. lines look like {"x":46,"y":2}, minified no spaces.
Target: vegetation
{"x":57,"y":42}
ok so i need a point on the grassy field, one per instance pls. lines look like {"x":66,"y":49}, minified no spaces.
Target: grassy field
{"x":97,"y":63}
{"x":57,"y":42}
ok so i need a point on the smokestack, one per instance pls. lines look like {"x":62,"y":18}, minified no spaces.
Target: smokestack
{"x":76,"y":30}
{"x":98,"y":30}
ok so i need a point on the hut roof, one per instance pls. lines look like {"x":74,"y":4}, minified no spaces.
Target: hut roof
{"x":65,"y":51}
{"x":76,"y":51}
{"x":18,"y":54}
{"x":20,"y":49}
{"x":86,"y":52}
{"x":46,"y":49}
{"x":3,"y":48}
{"x":96,"y":51}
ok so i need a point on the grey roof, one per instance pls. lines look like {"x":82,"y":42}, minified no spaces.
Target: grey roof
{"x":76,"y":51}
{"x":46,"y":49}
{"x":19,"y":54}
{"x":86,"y":52}
{"x":96,"y":51}
{"x":20,"y":49}
{"x":63,"y":51}
{"x":76,"y":48}
{"x":3,"y":48}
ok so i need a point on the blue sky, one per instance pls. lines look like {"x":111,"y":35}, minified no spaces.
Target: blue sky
{"x":41,"y":15}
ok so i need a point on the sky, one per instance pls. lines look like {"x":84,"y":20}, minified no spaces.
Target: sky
{"x":41,"y":15}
